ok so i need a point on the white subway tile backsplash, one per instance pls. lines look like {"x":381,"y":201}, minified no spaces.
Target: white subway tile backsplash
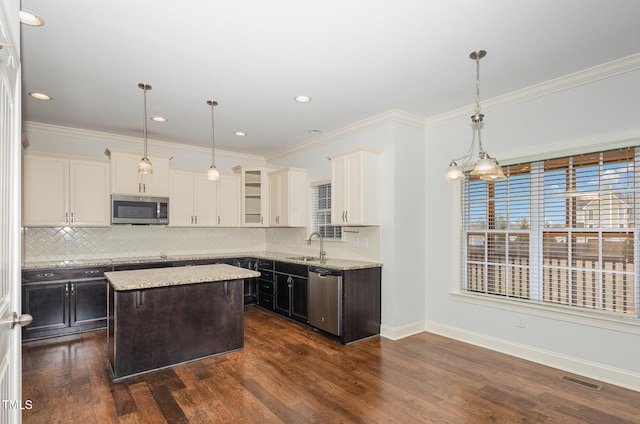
{"x":74,"y":244}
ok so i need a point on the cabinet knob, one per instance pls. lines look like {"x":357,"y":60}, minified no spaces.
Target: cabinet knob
{"x":73,"y":218}
{"x":66,"y":217}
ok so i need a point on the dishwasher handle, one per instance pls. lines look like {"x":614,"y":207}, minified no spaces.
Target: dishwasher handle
{"x":324,"y":272}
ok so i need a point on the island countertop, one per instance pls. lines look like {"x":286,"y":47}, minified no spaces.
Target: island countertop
{"x":162,"y":277}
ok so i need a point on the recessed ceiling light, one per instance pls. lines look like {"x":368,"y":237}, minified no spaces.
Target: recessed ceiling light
{"x":240,"y":133}
{"x":315,"y":132}
{"x":302,"y":99}
{"x":40,"y":96}
{"x":31,"y":19}
{"x":159,"y":119}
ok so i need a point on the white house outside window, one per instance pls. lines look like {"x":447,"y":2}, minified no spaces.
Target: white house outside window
{"x":559,"y":231}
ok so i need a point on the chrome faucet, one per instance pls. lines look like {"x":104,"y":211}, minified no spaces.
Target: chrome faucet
{"x":322,"y":252}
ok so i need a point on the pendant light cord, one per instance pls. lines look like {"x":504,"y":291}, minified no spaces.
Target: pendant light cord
{"x":144,"y":120}
{"x":213,"y":155}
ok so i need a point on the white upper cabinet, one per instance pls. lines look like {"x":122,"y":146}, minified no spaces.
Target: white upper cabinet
{"x":355,"y":187}
{"x":254,"y":196}
{"x":228,"y":201}
{"x":126,"y":180}
{"x":196,"y":201}
{"x":288,"y":198}
{"x":62,"y":191}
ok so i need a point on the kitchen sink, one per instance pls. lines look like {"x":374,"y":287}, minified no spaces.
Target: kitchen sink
{"x":305,"y":258}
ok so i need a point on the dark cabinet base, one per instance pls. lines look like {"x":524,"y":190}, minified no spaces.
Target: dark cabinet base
{"x":361,"y":303}
{"x":159,"y":327}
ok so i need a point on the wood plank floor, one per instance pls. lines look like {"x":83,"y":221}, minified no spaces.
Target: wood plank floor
{"x":288,"y":373}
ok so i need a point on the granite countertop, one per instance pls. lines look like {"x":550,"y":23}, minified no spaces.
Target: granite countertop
{"x":163,"y":277}
{"x":331,"y":263}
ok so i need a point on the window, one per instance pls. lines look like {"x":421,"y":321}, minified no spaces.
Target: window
{"x":321,"y":212}
{"x":559,"y":231}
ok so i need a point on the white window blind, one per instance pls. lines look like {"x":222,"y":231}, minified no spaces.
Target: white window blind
{"x":321,"y":212}
{"x":559,"y":231}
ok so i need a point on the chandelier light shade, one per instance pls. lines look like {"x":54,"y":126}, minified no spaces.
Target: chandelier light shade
{"x":485,"y":167}
{"x":145,"y":166}
{"x":212,"y":172}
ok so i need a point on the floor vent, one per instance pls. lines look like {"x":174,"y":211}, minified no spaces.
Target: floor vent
{"x":583,"y":383}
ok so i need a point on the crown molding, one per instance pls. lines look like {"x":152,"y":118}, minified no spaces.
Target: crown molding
{"x":393,"y":115}
{"x":97,"y":136}
{"x":599,"y":72}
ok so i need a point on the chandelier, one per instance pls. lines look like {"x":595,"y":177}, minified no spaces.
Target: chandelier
{"x":486,"y":167}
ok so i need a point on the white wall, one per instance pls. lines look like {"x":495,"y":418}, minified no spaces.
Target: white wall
{"x":599,"y":113}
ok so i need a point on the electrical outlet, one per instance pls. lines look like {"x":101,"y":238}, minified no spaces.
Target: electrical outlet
{"x":520,"y":321}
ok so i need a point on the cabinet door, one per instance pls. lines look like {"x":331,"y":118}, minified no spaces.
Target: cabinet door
{"x":89,"y":193}
{"x":283,"y":294}
{"x":228,"y":201}
{"x":126,"y":180}
{"x":299,"y":299}
{"x":275,"y":199}
{"x":338,"y":190}
{"x":45,"y":191}
{"x":88,"y":303}
{"x":49,"y":306}
{"x":124,"y":174}
{"x":181,"y":198}
{"x":156,"y":184}
{"x":297,"y":199}
{"x":287,"y":198}
{"x":353,"y":207}
{"x":206,"y":199}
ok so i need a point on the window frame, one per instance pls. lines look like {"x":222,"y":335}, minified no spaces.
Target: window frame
{"x":536,"y":254}
{"x":313,"y":209}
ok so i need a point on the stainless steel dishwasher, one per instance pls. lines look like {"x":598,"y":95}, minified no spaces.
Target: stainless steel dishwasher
{"x":325,"y":299}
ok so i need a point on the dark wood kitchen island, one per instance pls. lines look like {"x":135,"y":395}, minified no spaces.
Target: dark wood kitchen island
{"x":166,"y":316}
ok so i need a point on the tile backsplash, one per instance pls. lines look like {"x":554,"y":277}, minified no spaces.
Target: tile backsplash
{"x":66,"y":244}
{"x":75,"y":244}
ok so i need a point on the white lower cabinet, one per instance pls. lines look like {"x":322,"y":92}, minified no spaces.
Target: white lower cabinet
{"x":196,"y":201}
{"x":63,"y":191}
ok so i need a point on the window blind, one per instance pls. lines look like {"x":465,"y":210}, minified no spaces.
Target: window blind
{"x":321,"y":212}
{"x":558,"y":231}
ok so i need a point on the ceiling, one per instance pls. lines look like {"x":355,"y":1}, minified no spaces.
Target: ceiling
{"x":355,"y":59}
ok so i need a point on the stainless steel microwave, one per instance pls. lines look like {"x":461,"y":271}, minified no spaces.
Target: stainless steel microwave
{"x":139,"y":209}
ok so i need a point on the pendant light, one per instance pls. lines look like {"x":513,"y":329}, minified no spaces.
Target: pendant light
{"x":145,"y":166}
{"x":212,"y":172}
{"x":486,"y":168}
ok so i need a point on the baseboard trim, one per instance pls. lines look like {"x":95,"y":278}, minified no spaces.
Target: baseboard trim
{"x":593,"y":370}
{"x":397,"y":333}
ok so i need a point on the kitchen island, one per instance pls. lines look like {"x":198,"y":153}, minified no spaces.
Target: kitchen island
{"x":166,"y":316}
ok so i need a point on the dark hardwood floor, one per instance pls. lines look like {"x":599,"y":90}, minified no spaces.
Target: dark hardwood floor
{"x":290,"y":374}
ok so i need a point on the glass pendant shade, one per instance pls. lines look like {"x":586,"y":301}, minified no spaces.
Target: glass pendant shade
{"x":212,"y":173}
{"x":497,"y":176}
{"x":485,"y":166}
{"x":453,"y":172}
{"x":144,"y":166}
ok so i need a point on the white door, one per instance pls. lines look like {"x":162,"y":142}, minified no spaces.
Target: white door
{"x":10,"y":360}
